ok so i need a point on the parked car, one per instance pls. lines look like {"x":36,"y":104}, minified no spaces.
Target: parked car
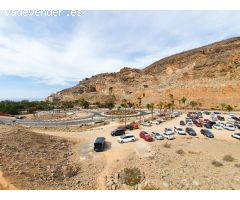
{"x":146,"y":124}
{"x":190,"y":123}
{"x":155,"y":122}
{"x":217,"y":113}
{"x":157,"y":135}
{"x":221,"y":124}
{"x":229,"y":127}
{"x":207,"y":112}
{"x":220,"y":118}
{"x":135,"y":125}
{"x":214,"y":118}
{"x":168,"y":131}
{"x":179,"y":130}
{"x":190,"y":131}
{"x":199,"y":124}
{"x":145,"y":136}
{"x":212,"y":123}
{"x":206,"y":120}
{"x":237,"y":125}
{"x":207,"y":133}
{"x":182,"y":123}
{"x":99,"y":144}
{"x":119,"y":131}
{"x":126,"y":138}
{"x":168,"y":136}
{"x":207,"y":125}
{"x":230,"y":119}
{"x":217,"y":126}
{"x":129,"y":127}
{"x":236,"y":135}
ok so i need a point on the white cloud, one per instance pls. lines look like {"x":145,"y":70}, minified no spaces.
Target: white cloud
{"x":106,"y":43}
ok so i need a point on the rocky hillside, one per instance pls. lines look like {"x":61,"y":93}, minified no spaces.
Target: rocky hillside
{"x":209,"y":75}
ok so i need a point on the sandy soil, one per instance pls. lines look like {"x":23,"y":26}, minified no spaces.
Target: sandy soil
{"x":165,"y":168}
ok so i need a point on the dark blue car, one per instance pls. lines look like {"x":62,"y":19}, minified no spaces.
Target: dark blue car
{"x":207,"y":125}
{"x":190,"y":131}
{"x":207,"y":133}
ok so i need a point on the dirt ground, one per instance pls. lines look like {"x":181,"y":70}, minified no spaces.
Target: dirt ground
{"x":184,"y":163}
{"x":56,"y":116}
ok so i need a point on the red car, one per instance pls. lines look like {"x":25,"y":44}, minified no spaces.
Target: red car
{"x":145,"y":136}
{"x":199,"y":124}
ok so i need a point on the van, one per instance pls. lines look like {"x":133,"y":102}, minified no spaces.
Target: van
{"x":99,"y":144}
{"x":119,"y":131}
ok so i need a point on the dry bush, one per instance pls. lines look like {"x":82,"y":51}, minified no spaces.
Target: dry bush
{"x":131,"y":176}
{"x":228,"y":158}
{"x":150,"y":187}
{"x":167,"y":145}
{"x":237,"y":165}
{"x":180,"y":152}
{"x":217,"y":163}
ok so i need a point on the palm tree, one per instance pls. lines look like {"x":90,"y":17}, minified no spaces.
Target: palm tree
{"x":140,"y":105}
{"x":172,"y":101}
{"x":160,"y":106}
{"x":124,"y":104}
{"x":148,"y":106}
{"x":193,"y":104}
{"x":183,"y":100}
{"x":223,"y":105}
{"x":152,"y":108}
{"x":229,"y":108}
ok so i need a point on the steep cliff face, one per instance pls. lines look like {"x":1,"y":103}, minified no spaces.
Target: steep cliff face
{"x":209,"y":75}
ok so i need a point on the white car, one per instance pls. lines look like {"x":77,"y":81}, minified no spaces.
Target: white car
{"x":169,"y":137}
{"x":189,"y":123}
{"x":168,"y":131}
{"x":126,"y":138}
{"x":179,"y":130}
{"x":155,"y":122}
{"x":221,"y":124}
{"x":236,"y":135}
{"x":157,"y":135}
{"x":230,"y":119}
{"x":229,"y":127}
{"x":146,"y":124}
{"x":217,"y":126}
{"x":214,"y":118}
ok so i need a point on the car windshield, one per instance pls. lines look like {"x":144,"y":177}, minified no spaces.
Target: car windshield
{"x":168,"y":129}
{"x":157,"y":134}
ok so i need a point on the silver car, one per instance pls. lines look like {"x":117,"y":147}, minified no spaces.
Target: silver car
{"x":157,"y":135}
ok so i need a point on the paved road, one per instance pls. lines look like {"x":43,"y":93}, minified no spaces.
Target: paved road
{"x":93,"y":117}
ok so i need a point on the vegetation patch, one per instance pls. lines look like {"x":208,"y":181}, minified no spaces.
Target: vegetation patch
{"x":228,"y":158}
{"x":167,"y":145}
{"x":150,"y":187}
{"x":237,"y":165}
{"x":180,"y":152}
{"x":217,"y":163}
{"x":131,"y":176}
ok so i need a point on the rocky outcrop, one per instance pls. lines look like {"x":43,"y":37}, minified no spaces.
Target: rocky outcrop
{"x":209,"y":75}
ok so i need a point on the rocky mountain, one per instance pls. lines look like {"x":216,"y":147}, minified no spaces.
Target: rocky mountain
{"x":209,"y":75}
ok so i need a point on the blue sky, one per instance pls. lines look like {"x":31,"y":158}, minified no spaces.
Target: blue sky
{"x":42,"y":55}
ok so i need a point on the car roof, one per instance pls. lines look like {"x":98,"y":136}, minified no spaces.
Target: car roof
{"x":128,"y":135}
{"x":99,"y":140}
